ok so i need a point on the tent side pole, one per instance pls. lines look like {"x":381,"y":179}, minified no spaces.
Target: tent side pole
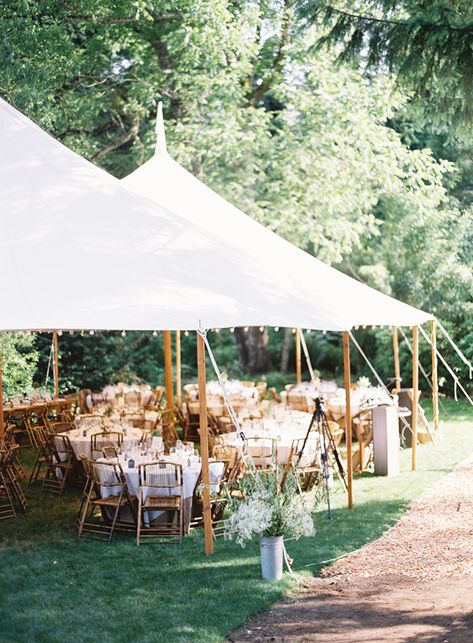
{"x":178,"y":368}
{"x":2,"y":425}
{"x":397,"y":368}
{"x":347,"y":382}
{"x":204,"y":446}
{"x":168,"y":369}
{"x":298,"y":356}
{"x":415,"y":393}
{"x":435,"y":384}
{"x":56,"y":366}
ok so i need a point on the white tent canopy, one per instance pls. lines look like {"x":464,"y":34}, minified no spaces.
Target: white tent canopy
{"x":80,"y":251}
{"x":345,"y":300}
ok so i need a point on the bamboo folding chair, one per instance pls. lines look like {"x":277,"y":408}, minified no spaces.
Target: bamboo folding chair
{"x":10,"y":489}
{"x":263,"y":451}
{"x":305,"y":459}
{"x":192,"y":423}
{"x":110,"y":451}
{"x":61,"y":461}
{"x":42,"y":454}
{"x":100,"y":440}
{"x":167,"y":422}
{"x":105,"y":495}
{"x":218,"y":476}
{"x":9,"y":440}
{"x":161,"y":489}
{"x":36,"y":419}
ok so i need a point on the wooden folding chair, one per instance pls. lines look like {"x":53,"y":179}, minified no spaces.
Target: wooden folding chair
{"x":263,"y":452}
{"x":161,"y":490}
{"x":168,"y":427}
{"x":9,"y":484}
{"x":42,"y":454}
{"x":106,"y":494}
{"x":105,"y":439}
{"x":61,"y":461}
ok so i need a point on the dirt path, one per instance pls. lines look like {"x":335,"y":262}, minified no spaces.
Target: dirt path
{"x":413,"y":584}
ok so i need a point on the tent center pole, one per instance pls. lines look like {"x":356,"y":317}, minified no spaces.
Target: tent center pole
{"x":298,"y":356}
{"x":347,"y":383}
{"x":178,"y":368}
{"x":435,"y":384}
{"x":397,"y":367}
{"x":168,"y":369}
{"x":56,"y":366}
{"x":204,"y":445}
{"x":415,"y":393}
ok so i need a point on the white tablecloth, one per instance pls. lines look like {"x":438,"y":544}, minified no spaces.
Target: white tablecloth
{"x":81,"y":444}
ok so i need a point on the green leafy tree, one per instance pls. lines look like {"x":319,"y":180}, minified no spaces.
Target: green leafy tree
{"x":19,"y":361}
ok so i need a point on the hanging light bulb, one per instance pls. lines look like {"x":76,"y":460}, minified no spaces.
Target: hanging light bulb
{"x":232,"y":329}
{"x":59,"y":333}
{"x":324,"y":332}
{"x":261,"y":329}
{"x":293,"y":331}
{"x":217,"y":330}
{"x":71,"y":332}
{"x":91,"y":332}
{"x":276,"y":329}
{"x":123,"y":333}
{"x":186,"y":333}
{"x":364,"y":326}
{"x":155,"y":333}
{"x":308,"y":331}
{"x":247,"y":329}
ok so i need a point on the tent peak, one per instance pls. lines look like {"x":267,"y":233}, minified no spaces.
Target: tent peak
{"x":160,"y":132}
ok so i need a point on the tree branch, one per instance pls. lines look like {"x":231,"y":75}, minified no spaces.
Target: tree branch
{"x":125,"y":138}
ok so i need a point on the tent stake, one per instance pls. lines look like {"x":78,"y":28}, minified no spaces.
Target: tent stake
{"x":168,"y":369}
{"x":346,"y":372}
{"x":397,"y":368}
{"x":435,"y":387}
{"x":178,"y":368}
{"x":298,"y":356}
{"x":204,"y":445}
{"x":56,"y":366}
{"x":415,"y":392}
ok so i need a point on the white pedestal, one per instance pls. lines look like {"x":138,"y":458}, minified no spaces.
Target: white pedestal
{"x":386,"y":441}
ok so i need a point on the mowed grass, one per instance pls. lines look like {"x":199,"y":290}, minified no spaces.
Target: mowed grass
{"x":54,"y":587}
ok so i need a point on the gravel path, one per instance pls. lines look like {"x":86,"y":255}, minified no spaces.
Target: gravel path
{"x":413,"y":584}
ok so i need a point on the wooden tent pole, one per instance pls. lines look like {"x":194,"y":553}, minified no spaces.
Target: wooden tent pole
{"x":56,"y":366}
{"x":435,"y":384}
{"x":415,"y":393}
{"x":298,"y":356}
{"x":2,"y":424}
{"x":168,"y":369}
{"x":397,"y":368}
{"x":178,"y":368}
{"x":204,"y":445}
{"x":347,"y":382}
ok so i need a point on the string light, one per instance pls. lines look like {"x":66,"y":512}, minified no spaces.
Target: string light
{"x":232,"y":329}
{"x":217,"y":330}
{"x":261,"y":329}
{"x":276,"y":329}
{"x":324,"y":332}
{"x":59,"y":333}
{"x":364,"y":326}
{"x":308,"y":331}
{"x":155,"y":333}
{"x":186,"y":333}
{"x":71,"y":332}
{"x":293,"y":331}
{"x":123,"y":333}
{"x":91,"y":332}
{"x":246,"y":329}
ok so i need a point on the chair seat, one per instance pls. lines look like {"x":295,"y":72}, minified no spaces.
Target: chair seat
{"x":112,"y":501}
{"x":162,"y":502}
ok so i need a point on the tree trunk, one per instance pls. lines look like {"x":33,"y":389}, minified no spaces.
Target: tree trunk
{"x":286,"y":349}
{"x":253,"y":350}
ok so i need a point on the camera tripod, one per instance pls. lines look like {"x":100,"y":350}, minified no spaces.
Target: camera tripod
{"x":328,"y":447}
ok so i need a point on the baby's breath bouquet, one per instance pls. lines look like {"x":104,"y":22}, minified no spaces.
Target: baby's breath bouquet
{"x":272,"y":506}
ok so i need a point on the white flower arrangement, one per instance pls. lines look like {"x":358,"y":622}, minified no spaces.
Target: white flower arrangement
{"x":272,"y":507}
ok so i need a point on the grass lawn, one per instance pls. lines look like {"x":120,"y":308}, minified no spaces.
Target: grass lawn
{"x":54,"y":587}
